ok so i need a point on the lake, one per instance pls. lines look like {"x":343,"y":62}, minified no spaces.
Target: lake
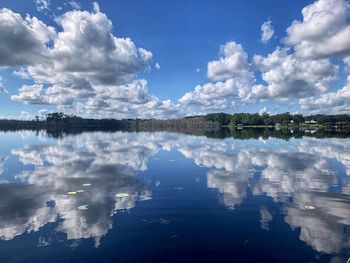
{"x":172,"y":197}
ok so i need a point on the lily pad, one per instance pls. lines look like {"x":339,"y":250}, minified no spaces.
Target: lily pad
{"x":309,"y":207}
{"x":122,"y":195}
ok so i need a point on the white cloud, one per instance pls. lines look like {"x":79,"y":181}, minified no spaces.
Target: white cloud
{"x":42,"y":5}
{"x":331,"y":102}
{"x":267,"y":31}
{"x":96,"y":7}
{"x":22,"y":40}
{"x":157,"y":66}
{"x":288,"y":76}
{"x":346,"y":61}
{"x":74,"y":4}
{"x":86,"y":51}
{"x":324,"y":31}
{"x":303,"y":69}
{"x":83,"y":67}
{"x":36,"y":94}
{"x":2,"y":88}
{"x":211,"y":96}
{"x":86,"y":69}
{"x":234,"y":79}
{"x":25,"y":116}
{"x":263,"y":110}
{"x":233,"y":63}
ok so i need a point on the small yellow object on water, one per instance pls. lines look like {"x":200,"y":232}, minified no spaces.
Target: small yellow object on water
{"x":86,"y":184}
{"x":309,"y":207}
{"x":72,"y":193}
{"x":121,"y":195}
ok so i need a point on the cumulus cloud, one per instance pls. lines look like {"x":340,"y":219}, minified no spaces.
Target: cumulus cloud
{"x":210,"y":95}
{"x":23,"y":39}
{"x":303,"y":69}
{"x":288,"y":76}
{"x":86,"y":51}
{"x":336,"y":102}
{"x":85,"y":69}
{"x":234,"y":79}
{"x":324,"y":31}
{"x":233,"y":63}
{"x":267,"y":31}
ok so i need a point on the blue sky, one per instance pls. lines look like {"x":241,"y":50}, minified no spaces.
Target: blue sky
{"x":293,"y":70}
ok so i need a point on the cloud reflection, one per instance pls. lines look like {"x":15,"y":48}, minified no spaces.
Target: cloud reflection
{"x":96,"y":170}
{"x":2,"y":164}
{"x":292,"y":174}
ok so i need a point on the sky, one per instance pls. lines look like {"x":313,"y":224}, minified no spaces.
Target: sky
{"x":169,"y":59}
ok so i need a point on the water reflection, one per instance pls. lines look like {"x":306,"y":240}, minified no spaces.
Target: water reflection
{"x":307,"y":178}
{"x":2,"y":163}
{"x":93,"y":171}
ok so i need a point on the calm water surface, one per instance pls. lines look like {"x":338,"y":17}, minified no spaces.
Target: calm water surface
{"x":167,"y":197}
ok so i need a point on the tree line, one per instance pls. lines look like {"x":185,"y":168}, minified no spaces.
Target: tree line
{"x":207,"y":122}
{"x":255,"y":119}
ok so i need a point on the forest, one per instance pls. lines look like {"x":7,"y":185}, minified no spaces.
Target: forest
{"x":255,"y":119}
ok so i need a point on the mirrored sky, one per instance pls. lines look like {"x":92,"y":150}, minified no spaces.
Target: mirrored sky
{"x":97,"y":189}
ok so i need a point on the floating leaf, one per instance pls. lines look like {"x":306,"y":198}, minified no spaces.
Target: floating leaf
{"x":309,"y":207}
{"x":121,"y":195}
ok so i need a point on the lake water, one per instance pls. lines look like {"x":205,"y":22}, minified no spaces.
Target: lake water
{"x":169,"y":197}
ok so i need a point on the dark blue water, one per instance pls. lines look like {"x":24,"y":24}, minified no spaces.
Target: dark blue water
{"x":166,"y":197}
